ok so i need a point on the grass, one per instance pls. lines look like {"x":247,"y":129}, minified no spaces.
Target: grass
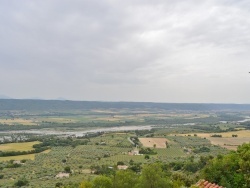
{"x":18,"y":157}
{"x":25,"y":146}
{"x":19,"y":147}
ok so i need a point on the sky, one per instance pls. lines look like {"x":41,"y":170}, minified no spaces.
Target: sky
{"x":135,"y":50}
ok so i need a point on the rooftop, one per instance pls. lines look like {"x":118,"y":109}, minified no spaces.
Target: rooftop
{"x":207,"y":184}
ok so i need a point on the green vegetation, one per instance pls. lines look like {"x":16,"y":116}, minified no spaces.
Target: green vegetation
{"x":231,"y":170}
{"x":83,"y":158}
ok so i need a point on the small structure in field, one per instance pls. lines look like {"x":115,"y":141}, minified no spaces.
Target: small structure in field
{"x":135,"y":151}
{"x":17,"y":162}
{"x":122,"y":167}
{"x":62,"y":175}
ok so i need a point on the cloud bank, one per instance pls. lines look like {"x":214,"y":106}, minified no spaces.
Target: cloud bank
{"x":162,"y":51}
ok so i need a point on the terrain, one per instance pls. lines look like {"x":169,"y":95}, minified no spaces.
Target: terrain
{"x":41,"y":140}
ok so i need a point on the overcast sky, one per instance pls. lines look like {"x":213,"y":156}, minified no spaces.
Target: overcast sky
{"x":126,"y":50}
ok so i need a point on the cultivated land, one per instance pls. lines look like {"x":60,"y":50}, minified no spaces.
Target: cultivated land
{"x":19,"y":157}
{"x":154,"y":142}
{"x":17,"y":121}
{"x":229,"y":143}
{"x":226,"y":140}
{"x":240,"y":134}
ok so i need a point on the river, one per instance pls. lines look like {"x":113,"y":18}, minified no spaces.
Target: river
{"x":78,"y":132}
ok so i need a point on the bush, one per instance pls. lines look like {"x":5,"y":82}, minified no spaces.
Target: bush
{"x":67,"y":169}
{"x":21,"y":182}
{"x":216,"y":135}
{"x":202,"y":149}
{"x":120,"y":163}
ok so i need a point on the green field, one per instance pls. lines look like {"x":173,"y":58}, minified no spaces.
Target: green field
{"x":26,"y":146}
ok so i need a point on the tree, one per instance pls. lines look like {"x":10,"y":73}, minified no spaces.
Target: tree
{"x":125,"y":179}
{"x":153,"y":177}
{"x":244,"y":162}
{"x":120,"y":163}
{"x":21,"y":182}
{"x":67,"y":169}
{"x":59,"y":184}
{"x":102,"y":182}
{"x":86,"y":184}
{"x":167,"y":146}
{"x":225,"y":171}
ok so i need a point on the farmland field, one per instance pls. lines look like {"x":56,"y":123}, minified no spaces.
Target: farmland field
{"x":17,"y":121}
{"x":25,"y":146}
{"x":21,"y":157}
{"x":240,"y":133}
{"x":226,"y":141}
{"x":151,"y":142}
{"x":229,"y":142}
{"x":18,"y":157}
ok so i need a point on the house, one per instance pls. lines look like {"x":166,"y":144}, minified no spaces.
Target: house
{"x":205,"y":184}
{"x":17,"y":162}
{"x":62,"y":175}
{"x":122,"y":167}
{"x":134,"y":152}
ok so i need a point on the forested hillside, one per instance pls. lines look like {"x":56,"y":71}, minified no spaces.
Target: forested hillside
{"x":37,"y":105}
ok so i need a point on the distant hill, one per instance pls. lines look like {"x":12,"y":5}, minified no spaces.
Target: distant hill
{"x":59,"y":105}
{"x":4,"y":97}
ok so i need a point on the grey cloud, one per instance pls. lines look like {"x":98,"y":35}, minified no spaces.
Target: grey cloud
{"x":87,"y":46}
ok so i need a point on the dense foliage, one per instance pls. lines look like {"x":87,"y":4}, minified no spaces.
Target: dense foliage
{"x":231,"y":171}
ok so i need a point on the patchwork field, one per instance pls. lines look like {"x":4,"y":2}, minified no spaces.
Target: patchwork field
{"x":151,"y":142}
{"x":229,"y":143}
{"x":241,"y":134}
{"x":226,"y":141}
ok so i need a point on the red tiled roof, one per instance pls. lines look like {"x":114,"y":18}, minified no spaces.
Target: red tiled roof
{"x":206,"y":184}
